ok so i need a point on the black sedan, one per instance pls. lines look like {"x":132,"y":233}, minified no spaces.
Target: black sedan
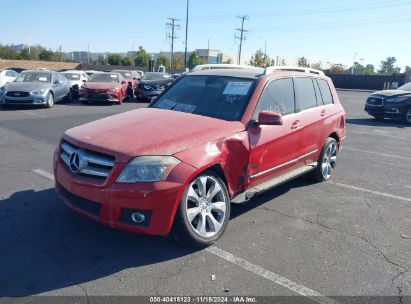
{"x":153,"y":84}
{"x":395,"y":104}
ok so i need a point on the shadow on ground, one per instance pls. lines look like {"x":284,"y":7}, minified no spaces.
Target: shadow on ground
{"x":389,"y":123}
{"x":45,"y":246}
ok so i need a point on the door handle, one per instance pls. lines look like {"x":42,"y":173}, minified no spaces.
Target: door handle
{"x":296,"y":124}
{"x":323,"y":112}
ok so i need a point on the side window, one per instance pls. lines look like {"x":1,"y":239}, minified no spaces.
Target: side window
{"x":317,"y":92}
{"x":325,"y":91}
{"x":278,"y":96}
{"x":10,"y":74}
{"x":304,"y":93}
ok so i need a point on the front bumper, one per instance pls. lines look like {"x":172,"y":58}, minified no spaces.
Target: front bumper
{"x":107,"y":96}
{"x":389,"y":110}
{"x":29,"y":100}
{"x":112,"y":203}
{"x":145,"y":94}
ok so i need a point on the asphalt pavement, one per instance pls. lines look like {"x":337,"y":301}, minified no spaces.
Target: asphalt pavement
{"x":324,"y":242}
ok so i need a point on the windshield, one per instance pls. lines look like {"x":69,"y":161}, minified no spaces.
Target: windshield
{"x":214,"y":96}
{"x":406,"y":87}
{"x":125,"y":74}
{"x":99,"y":77}
{"x":155,"y":76}
{"x":72,"y":76}
{"x":34,"y":77}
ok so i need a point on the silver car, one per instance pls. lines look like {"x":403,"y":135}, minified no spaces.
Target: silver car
{"x":37,"y":87}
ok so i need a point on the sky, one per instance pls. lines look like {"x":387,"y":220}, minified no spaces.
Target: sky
{"x":330,"y":31}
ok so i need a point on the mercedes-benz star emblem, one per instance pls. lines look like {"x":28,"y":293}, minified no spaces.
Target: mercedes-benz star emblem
{"x":75,"y":162}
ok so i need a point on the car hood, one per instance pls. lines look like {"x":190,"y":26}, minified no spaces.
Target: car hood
{"x":391,"y":93}
{"x":150,"y":131}
{"x":25,"y":86}
{"x":100,"y":85}
{"x":156,"y":82}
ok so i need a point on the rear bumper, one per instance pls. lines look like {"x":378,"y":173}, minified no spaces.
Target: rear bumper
{"x":112,"y":203}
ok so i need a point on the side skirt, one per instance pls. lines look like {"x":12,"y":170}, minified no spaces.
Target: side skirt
{"x":268,"y":185}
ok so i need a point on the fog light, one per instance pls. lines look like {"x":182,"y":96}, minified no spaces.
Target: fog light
{"x":137,"y":217}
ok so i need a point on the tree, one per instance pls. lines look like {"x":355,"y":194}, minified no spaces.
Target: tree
{"x":337,"y":69}
{"x":163,"y":60}
{"x":114,"y":59}
{"x":387,"y":65}
{"x":127,"y":61}
{"x":142,"y":58}
{"x":46,"y":55}
{"x":228,"y":61}
{"x":179,"y":60}
{"x":407,"y":69}
{"x":194,"y":60}
{"x":316,"y":66}
{"x":259,"y":59}
{"x":302,"y":62}
{"x":101,"y":60}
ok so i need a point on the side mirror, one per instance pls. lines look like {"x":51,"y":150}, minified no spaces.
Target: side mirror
{"x":270,"y":118}
{"x":84,"y":80}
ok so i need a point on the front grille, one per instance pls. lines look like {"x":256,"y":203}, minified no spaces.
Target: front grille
{"x":86,"y":162}
{"x":81,"y":203}
{"x":17,"y":94}
{"x":375,"y":101}
{"x":22,"y":101}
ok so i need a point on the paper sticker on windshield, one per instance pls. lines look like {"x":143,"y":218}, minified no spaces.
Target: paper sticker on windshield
{"x":237,"y":88}
{"x":184,"y":108}
{"x":113,"y":76}
{"x":166,"y":104}
{"x":43,"y":78}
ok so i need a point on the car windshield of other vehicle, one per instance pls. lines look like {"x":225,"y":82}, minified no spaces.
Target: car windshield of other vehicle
{"x":33,"y":77}
{"x":406,"y":87}
{"x":99,"y":77}
{"x":126,"y":74}
{"x":213,"y":96}
{"x":155,"y":76}
{"x":72,"y":76}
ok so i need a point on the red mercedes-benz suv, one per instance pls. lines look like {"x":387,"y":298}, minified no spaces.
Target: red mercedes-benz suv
{"x":215,"y":137}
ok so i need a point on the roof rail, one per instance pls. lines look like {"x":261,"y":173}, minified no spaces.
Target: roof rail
{"x":214,"y":66}
{"x":271,"y":69}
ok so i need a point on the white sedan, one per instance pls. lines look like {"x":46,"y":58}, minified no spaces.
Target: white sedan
{"x":7,"y":76}
{"x":76,"y":79}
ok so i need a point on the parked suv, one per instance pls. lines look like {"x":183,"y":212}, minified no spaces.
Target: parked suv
{"x":215,"y":137}
{"x":395,"y":104}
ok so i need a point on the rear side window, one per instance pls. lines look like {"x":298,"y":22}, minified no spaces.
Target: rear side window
{"x":325,"y":91}
{"x":304,"y":94}
{"x":318,"y":93}
{"x":278,"y":96}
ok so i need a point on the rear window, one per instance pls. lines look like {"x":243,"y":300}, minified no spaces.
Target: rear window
{"x":304,"y":93}
{"x":325,"y":91}
{"x":213,"y":96}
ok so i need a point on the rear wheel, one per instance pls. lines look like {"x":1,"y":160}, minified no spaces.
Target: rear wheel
{"x":327,"y":161}
{"x":204,"y":211}
{"x":407,"y":115}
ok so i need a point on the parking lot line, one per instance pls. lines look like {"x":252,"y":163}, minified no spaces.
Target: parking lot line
{"x":401,"y":198}
{"x":293,"y":286}
{"x":377,"y":153}
{"x":377,"y":134}
{"x":44,"y":173}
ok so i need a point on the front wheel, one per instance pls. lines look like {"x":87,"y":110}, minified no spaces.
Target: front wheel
{"x":50,"y":100}
{"x":204,"y":211}
{"x":327,"y":161}
{"x":407,"y":116}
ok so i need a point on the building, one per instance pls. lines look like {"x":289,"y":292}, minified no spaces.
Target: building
{"x":210,"y":56}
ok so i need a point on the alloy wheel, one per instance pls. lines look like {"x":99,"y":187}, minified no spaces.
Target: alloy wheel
{"x":206,"y":206}
{"x":329,"y":160}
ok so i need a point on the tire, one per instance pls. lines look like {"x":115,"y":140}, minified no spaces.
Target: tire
{"x":327,"y":161}
{"x":201,"y":217}
{"x":50,"y":100}
{"x":378,"y":117}
{"x":407,"y":116}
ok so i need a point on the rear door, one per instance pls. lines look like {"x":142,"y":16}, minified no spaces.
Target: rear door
{"x":273,"y":149}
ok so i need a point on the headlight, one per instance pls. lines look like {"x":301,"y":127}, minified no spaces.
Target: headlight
{"x":38,"y":92}
{"x":114,"y":89}
{"x":148,"y":169}
{"x":396,"y":99}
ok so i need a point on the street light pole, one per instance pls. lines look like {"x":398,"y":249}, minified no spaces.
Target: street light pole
{"x":185,"y":51}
